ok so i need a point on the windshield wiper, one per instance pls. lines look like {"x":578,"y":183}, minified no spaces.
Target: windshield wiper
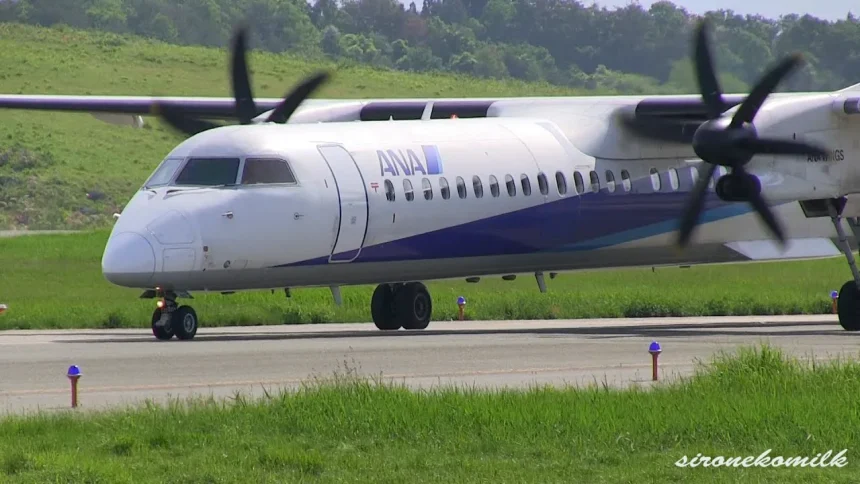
{"x":194,"y":189}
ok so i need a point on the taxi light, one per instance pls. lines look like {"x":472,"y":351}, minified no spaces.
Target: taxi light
{"x":160,"y":304}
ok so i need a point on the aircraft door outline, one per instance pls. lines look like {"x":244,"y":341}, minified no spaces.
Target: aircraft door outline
{"x":353,"y":203}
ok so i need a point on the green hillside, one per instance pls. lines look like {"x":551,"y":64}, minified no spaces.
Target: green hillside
{"x":50,"y":161}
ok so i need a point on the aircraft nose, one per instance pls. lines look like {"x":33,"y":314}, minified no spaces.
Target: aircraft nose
{"x":128,"y":260}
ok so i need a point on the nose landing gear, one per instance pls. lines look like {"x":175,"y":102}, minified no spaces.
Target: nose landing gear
{"x":168,"y":320}
{"x":848,"y":304}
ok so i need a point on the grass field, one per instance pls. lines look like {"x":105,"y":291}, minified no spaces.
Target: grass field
{"x":353,"y":429}
{"x":55,"y":281}
{"x":49,"y":161}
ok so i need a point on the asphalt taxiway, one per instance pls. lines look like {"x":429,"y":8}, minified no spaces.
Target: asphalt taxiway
{"x":130,"y":366}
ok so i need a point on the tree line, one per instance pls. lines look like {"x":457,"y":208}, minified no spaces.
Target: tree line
{"x":629,"y":50}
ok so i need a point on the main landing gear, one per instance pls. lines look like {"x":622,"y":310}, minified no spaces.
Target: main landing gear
{"x":848,"y":304}
{"x":169,"y":319}
{"x":401,"y":305}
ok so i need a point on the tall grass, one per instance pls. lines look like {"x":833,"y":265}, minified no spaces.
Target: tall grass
{"x":352,"y":428}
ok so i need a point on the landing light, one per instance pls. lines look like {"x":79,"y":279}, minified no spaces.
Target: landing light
{"x":160,"y":304}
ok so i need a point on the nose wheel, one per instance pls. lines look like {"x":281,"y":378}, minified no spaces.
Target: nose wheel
{"x":169,"y":321}
{"x":161,"y":327}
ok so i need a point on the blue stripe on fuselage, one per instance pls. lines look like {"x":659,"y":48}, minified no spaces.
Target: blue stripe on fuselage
{"x":590,"y":221}
{"x":659,"y":228}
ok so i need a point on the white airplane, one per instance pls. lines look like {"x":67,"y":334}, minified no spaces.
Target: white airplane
{"x":450,"y":188}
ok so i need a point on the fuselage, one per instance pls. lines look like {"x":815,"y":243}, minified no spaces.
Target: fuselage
{"x":355,"y":203}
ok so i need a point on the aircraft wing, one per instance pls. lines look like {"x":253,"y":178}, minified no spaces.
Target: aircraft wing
{"x":647,"y":107}
{"x":670,"y":118}
{"x":108,"y":108}
{"x":208,"y":107}
{"x":667,"y":118}
{"x":676,"y":118}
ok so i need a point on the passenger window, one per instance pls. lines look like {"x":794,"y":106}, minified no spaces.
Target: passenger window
{"x":389,"y":190}
{"x":543,"y":186}
{"x":655,"y":180}
{"x":625,"y":181}
{"x":209,"y":172}
{"x":610,"y":181}
{"x":673,"y":179}
{"x":428,"y":189}
{"x":526,"y":183}
{"x":512,"y":187}
{"x":163,"y":173}
{"x":578,"y":184}
{"x":407,"y":190}
{"x":561,"y":182}
{"x":595,"y":182}
{"x":477,"y":186}
{"x":461,"y":187}
{"x":444,"y":189}
{"x":266,"y":170}
{"x":494,"y":186}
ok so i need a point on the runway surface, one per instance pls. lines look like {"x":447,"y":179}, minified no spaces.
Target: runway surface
{"x":129,"y":366}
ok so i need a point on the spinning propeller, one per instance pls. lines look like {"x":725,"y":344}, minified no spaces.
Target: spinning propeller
{"x":246,"y":109}
{"x":733,"y":142}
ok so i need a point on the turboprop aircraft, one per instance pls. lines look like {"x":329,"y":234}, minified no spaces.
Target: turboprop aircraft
{"x":306,"y":193}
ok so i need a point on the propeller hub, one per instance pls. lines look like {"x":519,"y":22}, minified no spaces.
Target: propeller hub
{"x":718,"y":143}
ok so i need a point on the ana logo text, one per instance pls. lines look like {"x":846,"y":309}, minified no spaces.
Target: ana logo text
{"x":832,"y":155}
{"x":397,"y":163}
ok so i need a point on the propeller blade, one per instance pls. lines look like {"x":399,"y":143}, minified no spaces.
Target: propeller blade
{"x":292,"y":101}
{"x":246,"y":109}
{"x":712,"y":95}
{"x":691,"y":214}
{"x":780,"y":147}
{"x":763,"y":89}
{"x":182,"y":123}
{"x":767,"y":216}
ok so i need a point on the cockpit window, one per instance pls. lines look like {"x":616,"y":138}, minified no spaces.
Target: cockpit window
{"x":266,"y":170}
{"x":209,"y":171}
{"x":162,"y":175}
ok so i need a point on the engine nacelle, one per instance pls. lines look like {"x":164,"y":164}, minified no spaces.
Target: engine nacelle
{"x":737,"y":188}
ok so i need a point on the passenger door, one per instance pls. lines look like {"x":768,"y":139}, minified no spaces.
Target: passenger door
{"x":352,"y":196}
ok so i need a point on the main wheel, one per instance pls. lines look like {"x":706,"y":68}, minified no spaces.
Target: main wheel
{"x":381,"y":308}
{"x":413,"y":306}
{"x":184,"y":322}
{"x":161,"y":332}
{"x":848,"y":306}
